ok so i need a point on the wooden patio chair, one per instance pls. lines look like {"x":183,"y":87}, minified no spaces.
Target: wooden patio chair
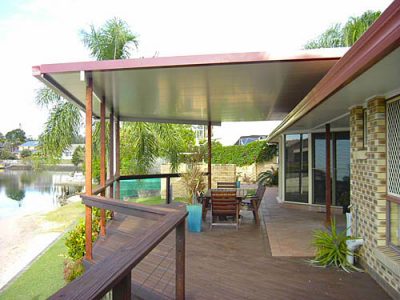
{"x":226,"y":185}
{"x":224,"y":203}
{"x":253,"y":202}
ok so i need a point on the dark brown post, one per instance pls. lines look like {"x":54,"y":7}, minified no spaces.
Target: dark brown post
{"x":122,"y":291}
{"x":88,"y":167}
{"x":103,"y":162}
{"x":180,"y":261}
{"x":111,"y":153}
{"x":117,"y":158}
{"x":209,"y":154}
{"x":168,"y":183}
{"x":328,"y":183}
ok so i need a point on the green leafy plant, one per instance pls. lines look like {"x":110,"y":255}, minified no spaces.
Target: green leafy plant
{"x":331,"y":248}
{"x":73,"y":269}
{"x":76,"y":238}
{"x":269,"y":177}
{"x":243,"y":155}
{"x":194,"y":181}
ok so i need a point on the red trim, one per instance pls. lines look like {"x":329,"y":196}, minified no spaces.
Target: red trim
{"x":382,"y":38}
{"x":186,"y":61}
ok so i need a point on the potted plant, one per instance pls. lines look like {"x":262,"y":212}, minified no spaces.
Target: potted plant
{"x":195,"y":185}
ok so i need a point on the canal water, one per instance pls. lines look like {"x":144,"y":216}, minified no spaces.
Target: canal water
{"x":25,"y":192}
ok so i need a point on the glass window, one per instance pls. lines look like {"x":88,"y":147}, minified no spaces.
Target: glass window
{"x":296,"y":168}
{"x":393,"y":170}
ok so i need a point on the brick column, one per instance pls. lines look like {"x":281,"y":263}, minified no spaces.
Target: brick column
{"x":377,"y":166}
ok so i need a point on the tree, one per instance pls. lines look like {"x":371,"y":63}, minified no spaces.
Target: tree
{"x":16,"y":137}
{"x":112,"y":41}
{"x":141,"y":142}
{"x":78,"y":156}
{"x":2,"y":138}
{"x":356,"y":26}
{"x":344,"y":36}
{"x":25,"y":153}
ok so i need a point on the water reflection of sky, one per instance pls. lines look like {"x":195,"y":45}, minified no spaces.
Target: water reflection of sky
{"x":25,"y":192}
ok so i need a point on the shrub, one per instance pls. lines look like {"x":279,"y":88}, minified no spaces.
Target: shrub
{"x":76,"y":238}
{"x":331,"y":248}
{"x":25,"y":153}
{"x":73,"y":269}
{"x":240,"y":155}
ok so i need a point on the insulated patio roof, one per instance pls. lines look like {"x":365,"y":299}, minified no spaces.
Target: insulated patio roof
{"x":196,"y":89}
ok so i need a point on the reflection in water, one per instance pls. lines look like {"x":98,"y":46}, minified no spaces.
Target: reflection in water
{"x":31,"y":191}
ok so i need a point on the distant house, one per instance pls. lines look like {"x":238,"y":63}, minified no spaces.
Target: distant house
{"x":29,"y":145}
{"x":67,"y":154}
{"x":244,"y":140}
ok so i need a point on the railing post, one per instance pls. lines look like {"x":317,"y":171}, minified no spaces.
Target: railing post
{"x":88,"y":163}
{"x":168,"y":179}
{"x":117,"y":158}
{"x":103,"y":162}
{"x":122,"y":291}
{"x":180,"y":261}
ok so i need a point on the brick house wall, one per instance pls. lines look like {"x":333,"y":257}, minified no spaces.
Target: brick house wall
{"x":368,"y":193}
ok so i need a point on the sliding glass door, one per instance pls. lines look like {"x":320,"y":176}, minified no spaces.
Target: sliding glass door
{"x":296,"y":168}
{"x":340,"y":167}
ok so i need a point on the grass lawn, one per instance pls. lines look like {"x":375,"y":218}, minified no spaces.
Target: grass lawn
{"x":43,"y":278}
{"x":45,"y":275}
{"x":156,"y":200}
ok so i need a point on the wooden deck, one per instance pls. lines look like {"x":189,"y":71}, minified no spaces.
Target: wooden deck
{"x":229,"y":264}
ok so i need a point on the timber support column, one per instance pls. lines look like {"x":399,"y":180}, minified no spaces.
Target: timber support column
{"x":103,"y":163}
{"x":111,"y":153}
{"x":328,"y":182}
{"x":209,"y":153}
{"x":117,"y":158}
{"x":88,"y":165}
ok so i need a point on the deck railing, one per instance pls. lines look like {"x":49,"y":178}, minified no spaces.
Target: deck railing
{"x":113,"y":273}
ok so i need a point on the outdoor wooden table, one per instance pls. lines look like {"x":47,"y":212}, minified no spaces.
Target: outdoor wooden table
{"x":240,"y":195}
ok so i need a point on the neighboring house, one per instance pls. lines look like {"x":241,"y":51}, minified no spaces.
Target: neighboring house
{"x":29,"y":145}
{"x":200,"y":132}
{"x":67,"y":154}
{"x":355,"y":109}
{"x":244,"y":140}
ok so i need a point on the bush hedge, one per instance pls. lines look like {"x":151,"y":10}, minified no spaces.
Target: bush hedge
{"x":258,"y":151}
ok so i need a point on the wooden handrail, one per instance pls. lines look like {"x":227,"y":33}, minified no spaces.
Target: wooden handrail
{"x":115,"y":270}
{"x":101,"y":189}
{"x":148,"y":176}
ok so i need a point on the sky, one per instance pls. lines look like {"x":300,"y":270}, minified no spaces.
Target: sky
{"x":34,"y":32}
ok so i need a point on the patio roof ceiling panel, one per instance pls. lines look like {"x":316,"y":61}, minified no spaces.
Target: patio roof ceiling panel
{"x":197,"y":89}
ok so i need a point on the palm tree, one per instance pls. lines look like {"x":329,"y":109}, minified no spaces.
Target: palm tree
{"x":356,"y":26}
{"x":112,"y":41}
{"x":141,"y":143}
{"x":344,"y":36}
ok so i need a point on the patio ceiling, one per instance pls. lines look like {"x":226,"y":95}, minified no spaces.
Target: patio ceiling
{"x":195,"y":89}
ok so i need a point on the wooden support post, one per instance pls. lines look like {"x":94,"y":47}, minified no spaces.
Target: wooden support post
{"x":103,"y":162}
{"x":111,"y":153}
{"x":209,"y":154}
{"x":180,"y":261}
{"x":117,"y":158}
{"x":168,"y":183}
{"x":122,"y":291}
{"x":88,"y":169}
{"x":328,"y":182}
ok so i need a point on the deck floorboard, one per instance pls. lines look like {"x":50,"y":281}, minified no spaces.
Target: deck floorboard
{"x":227,"y":264}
